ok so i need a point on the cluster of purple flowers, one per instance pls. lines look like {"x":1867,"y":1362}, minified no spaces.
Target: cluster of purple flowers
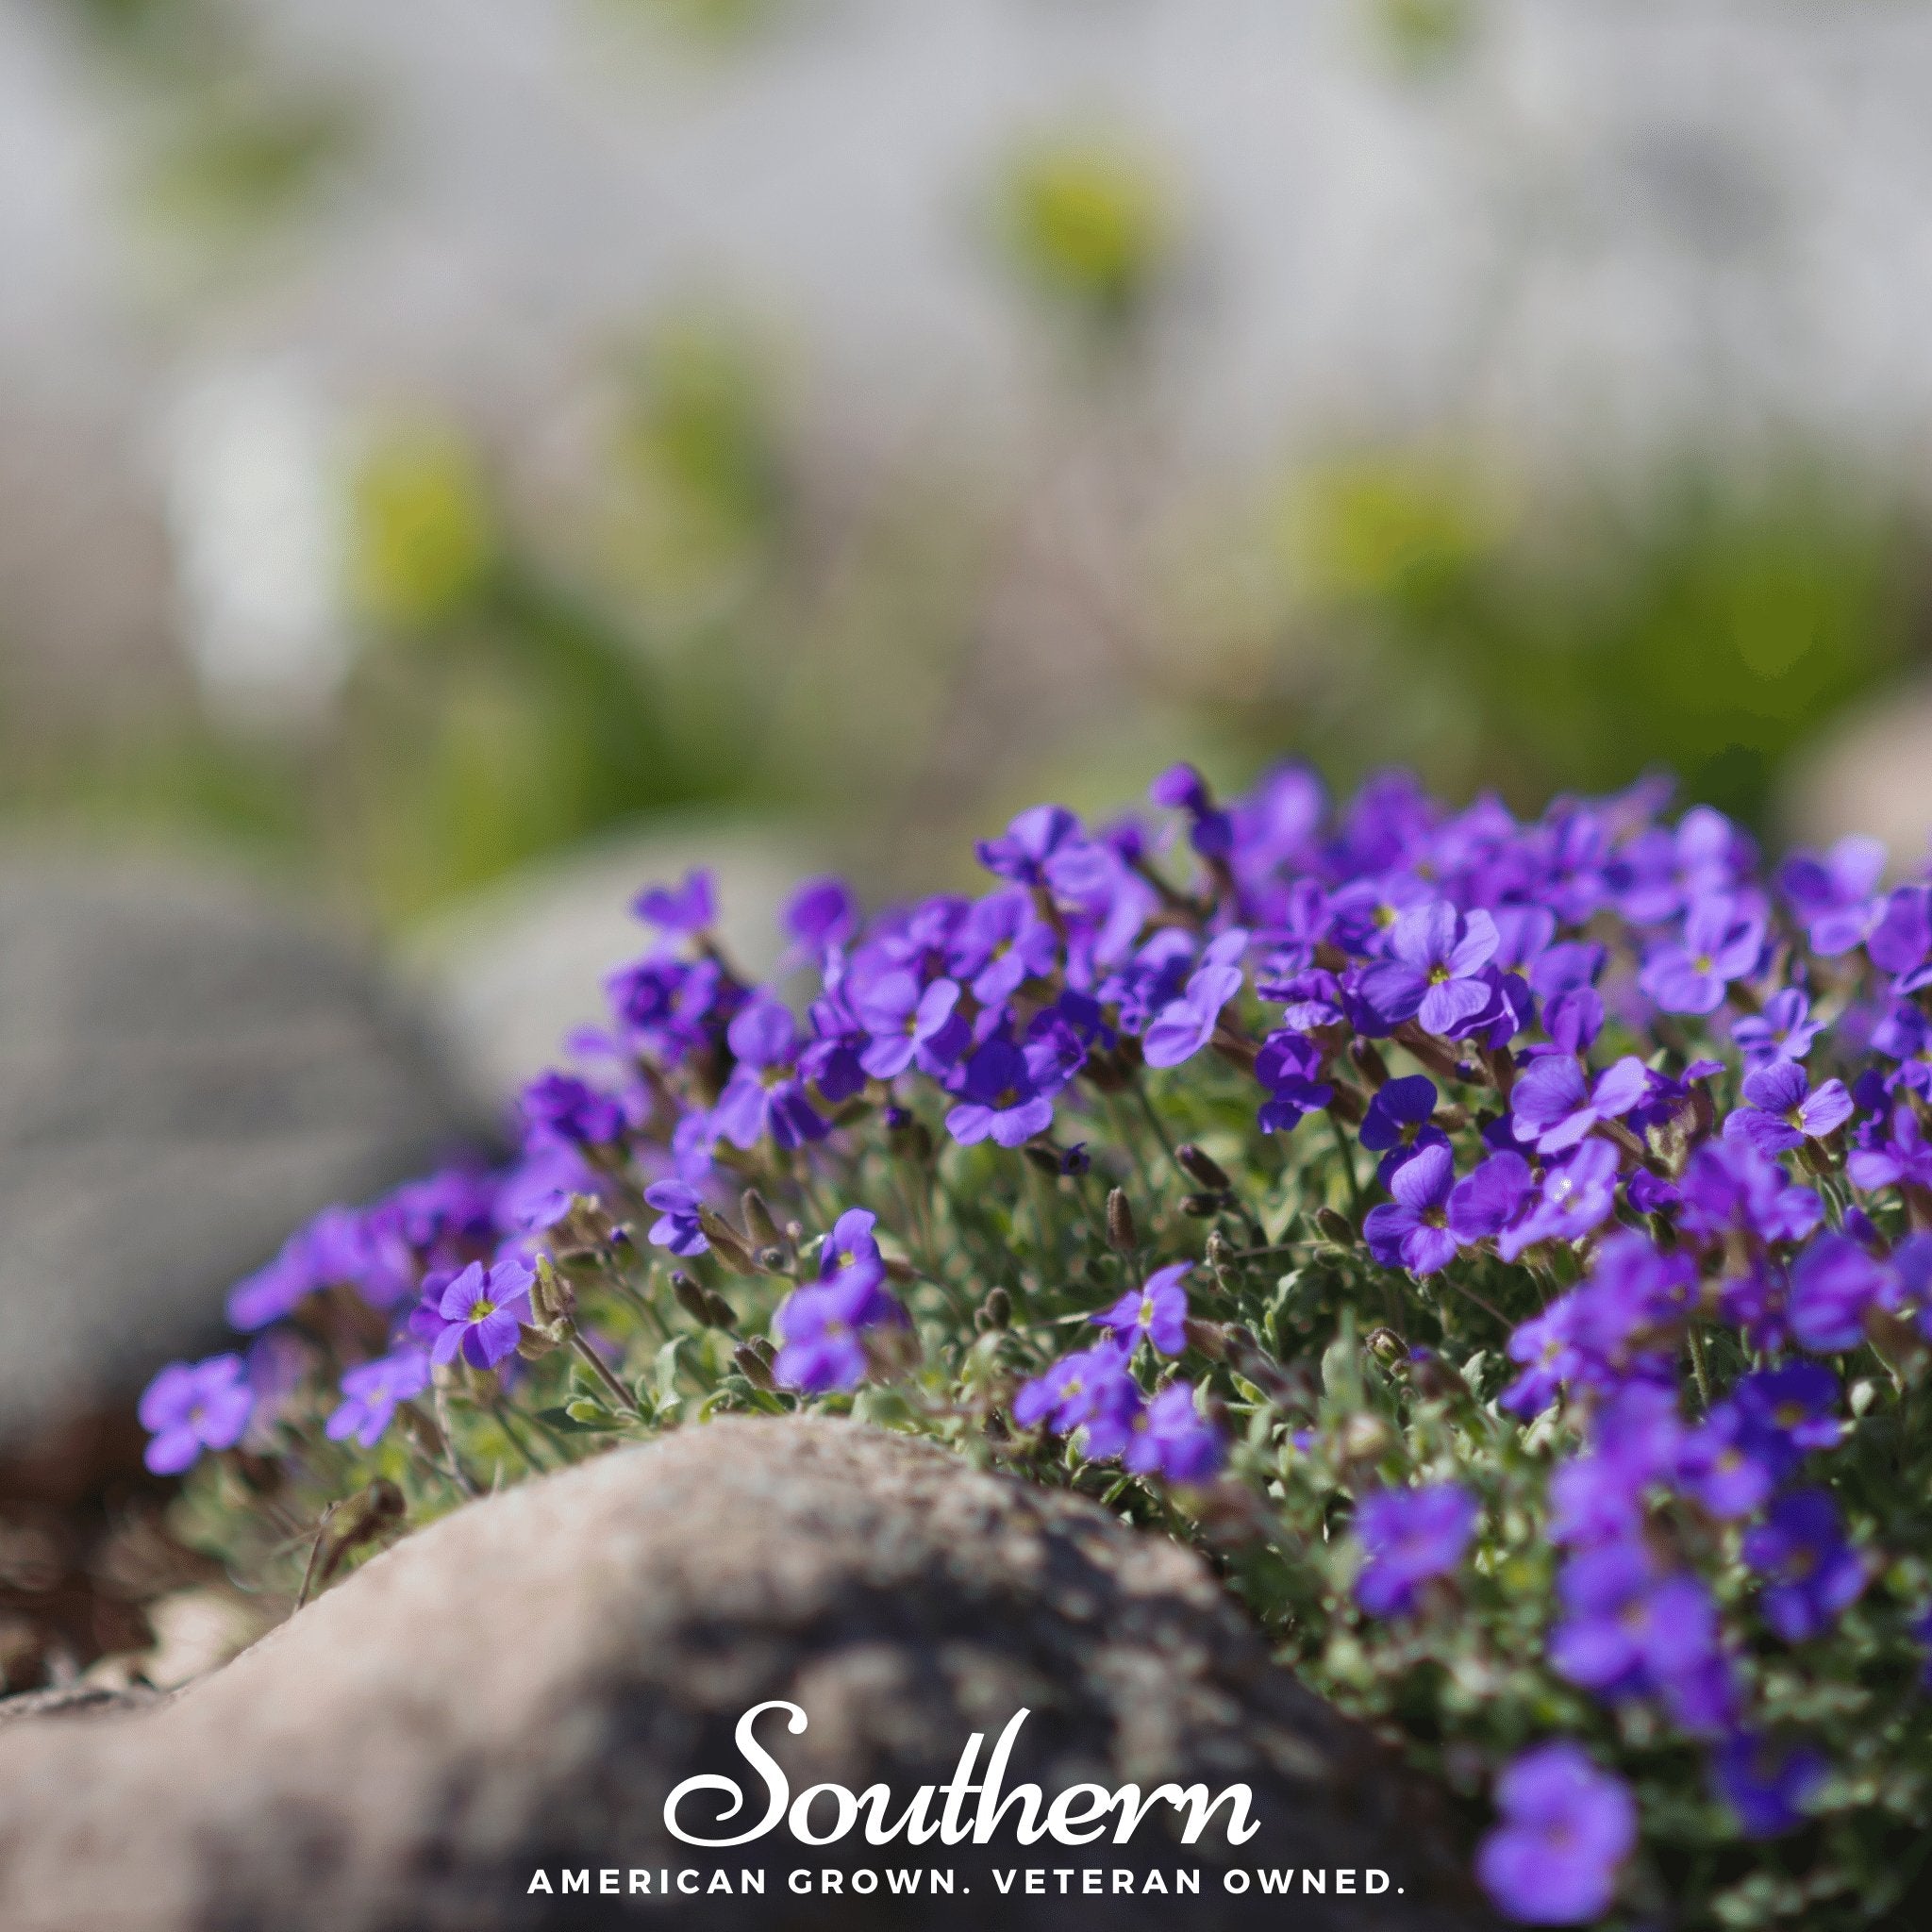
{"x":1092,"y":1394}
{"x":1644,"y":1124}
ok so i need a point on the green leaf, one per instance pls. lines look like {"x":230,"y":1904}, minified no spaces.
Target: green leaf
{"x":579,"y":1417}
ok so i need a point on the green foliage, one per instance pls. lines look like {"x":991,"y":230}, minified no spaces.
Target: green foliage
{"x":1420,"y":609}
{"x":1089,"y":221}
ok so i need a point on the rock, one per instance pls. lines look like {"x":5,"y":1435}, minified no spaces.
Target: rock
{"x":511,"y":969}
{"x":519,"y":1687}
{"x":187,"y":1072}
{"x":1870,"y":773}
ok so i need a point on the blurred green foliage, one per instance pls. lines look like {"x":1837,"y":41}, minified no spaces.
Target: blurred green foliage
{"x":227,"y":143}
{"x":1422,"y":36}
{"x":1420,"y":608}
{"x":1089,"y":221}
{"x":700,"y":499}
{"x":717,"y":610}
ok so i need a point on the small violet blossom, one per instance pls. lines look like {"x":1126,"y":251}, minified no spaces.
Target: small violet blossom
{"x":1185,"y":1026}
{"x":1433,"y":970}
{"x":482,"y":1311}
{"x":1565,"y":1829}
{"x":190,"y":1407}
{"x":1413,"y":1230}
{"x":1783,"y":1109}
{"x":1159,"y":1310}
{"x":1814,"y":1574}
{"x":1410,"y":1537}
{"x":1172,"y":1439}
{"x":1554,"y":1106}
{"x":1721,"y":941}
{"x":372,"y":1392}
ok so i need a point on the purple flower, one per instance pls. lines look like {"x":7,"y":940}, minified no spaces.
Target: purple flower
{"x":823,"y":1327}
{"x":1433,"y":970}
{"x":1730,"y":1188}
{"x":764,"y":1094}
{"x":1031,"y":843}
{"x":1576,"y":1199}
{"x":1090,"y":1392}
{"x":1182,"y":788}
{"x":1565,"y":1830}
{"x":373,"y":1390}
{"x":688,"y":907}
{"x":1289,"y":1066}
{"x":483,"y":1312}
{"x":1902,"y":935}
{"x":1784,"y":1031}
{"x":1730,"y":1464}
{"x":1410,"y":1537}
{"x":1722,"y":942}
{"x":1631,"y":1628}
{"x":1185,"y":1026}
{"x":1170,"y":1439}
{"x":1767,"y":1784}
{"x":1158,"y":1311}
{"x":999,"y":1098}
{"x":676,"y":1227}
{"x":820,"y":914}
{"x":1832,"y":894}
{"x":1599,"y":1498}
{"x":1399,"y":1113}
{"x":851,"y":1241}
{"x":1784,"y":1110}
{"x":559,"y":1108}
{"x":1900,"y":1158}
{"x":905,"y":1021}
{"x":1554,"y":1106}
{"x":1003,"y":943}
{"x":1815,"y":1573}
{"x":1484,"y":1203}
{"x":1661,"y":872}
{"x":1413,"y":1230}
{"x":1795,"y":1408}
{"x":1835,"y":1285}
{"x":194,"y":1405}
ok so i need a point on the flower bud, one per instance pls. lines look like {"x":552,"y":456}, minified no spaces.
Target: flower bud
{"x":534,"y":1344}
{"x":1336,"y":1226}
{"x":1120,"y":1235}
{"x":1365,"y":1438}
{"x":1366,"y":1055}
{"x":692,"y":1297}
{"x":1385,"y":1346}
{"x":1044,"y":1159}
{"x":754,"y":1359}
{"x":1202,"y":1207}
{"x":1435,"y":1378}
{"x":1210,"y":1338}
{"x":1202,"y":1167}
{"x":995,"y":1312}
{"x":727,"y":1243}
{"x":553,"y":1300}
{"x":722,"y":1314}
{"x":758,"y":1220}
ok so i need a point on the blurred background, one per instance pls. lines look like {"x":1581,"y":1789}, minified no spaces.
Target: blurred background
{"x":458,"y":459}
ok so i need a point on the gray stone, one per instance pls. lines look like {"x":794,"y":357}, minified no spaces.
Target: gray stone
{"x":187,"y":1072}
{"x":519,"y":1685}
